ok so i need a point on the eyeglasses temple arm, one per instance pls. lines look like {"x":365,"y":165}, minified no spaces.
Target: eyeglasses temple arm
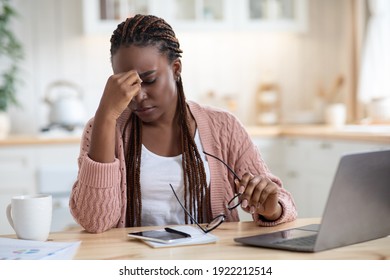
{"x":185,"y":210}
{"x":227,"y":166}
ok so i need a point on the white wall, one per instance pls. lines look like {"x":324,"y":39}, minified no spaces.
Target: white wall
{"x":227,"y":63}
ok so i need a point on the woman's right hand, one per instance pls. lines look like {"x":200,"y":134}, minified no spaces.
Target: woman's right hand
{"x":118,"y":92}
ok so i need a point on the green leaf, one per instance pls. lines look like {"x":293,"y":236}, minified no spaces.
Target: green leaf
{"x":12,"y":50}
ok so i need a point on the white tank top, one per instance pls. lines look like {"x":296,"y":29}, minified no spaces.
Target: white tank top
{"x":159,"y":205}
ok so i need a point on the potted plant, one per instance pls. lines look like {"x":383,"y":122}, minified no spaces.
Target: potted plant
{"x":10,"y":55}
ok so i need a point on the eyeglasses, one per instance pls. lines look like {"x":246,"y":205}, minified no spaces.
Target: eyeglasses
{"x":210,"y":226}
{"x":232,"y":204}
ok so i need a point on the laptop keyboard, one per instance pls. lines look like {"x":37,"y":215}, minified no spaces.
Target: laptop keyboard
{"x":302,"y":242}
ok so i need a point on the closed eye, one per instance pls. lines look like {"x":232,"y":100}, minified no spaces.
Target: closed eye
{"x":148,"y":82}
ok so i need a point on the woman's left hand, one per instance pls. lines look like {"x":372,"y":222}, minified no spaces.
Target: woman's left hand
{"x":259,"y":195}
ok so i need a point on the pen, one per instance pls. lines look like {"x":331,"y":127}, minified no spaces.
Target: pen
{"x":177,"y":232}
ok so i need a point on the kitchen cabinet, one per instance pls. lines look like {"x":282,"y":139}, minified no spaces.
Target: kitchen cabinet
{"x":16,"y":178}
{"x":200,"y":15}
{"x":31,"y":169}
{"x":269,"y":148}
{"x":309,"y":166}
{"x":274,"y":15}
{"x":103,"y":16}
{"x":12,"y":161}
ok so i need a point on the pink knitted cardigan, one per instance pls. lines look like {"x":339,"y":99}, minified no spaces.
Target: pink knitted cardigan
{"x":98,"y":197}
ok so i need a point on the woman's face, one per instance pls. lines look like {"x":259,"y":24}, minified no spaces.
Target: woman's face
{"x":158,"y":96}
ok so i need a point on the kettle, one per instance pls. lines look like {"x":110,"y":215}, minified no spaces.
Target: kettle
{"x":66,"y":106}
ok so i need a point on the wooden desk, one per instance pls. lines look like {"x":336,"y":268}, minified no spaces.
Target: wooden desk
{"x":114,"y":244}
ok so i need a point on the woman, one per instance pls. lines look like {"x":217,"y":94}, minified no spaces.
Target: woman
{"x":145,"y":137}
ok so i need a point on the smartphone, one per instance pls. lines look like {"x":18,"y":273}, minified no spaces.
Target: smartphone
{"x":166,"y":235}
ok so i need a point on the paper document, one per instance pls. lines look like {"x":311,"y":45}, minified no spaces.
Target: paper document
{"x":17,"y":249}
{"x":197,"y":237}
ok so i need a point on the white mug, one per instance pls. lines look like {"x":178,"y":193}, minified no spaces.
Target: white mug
{"x":30,"y":216}
{"x":336,"y":114}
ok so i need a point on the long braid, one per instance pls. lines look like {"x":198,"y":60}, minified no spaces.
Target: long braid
{"x":146,"y":30}
{"x":192,"y":163}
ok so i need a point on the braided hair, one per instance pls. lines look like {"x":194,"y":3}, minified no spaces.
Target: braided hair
{"x":142,"y":31}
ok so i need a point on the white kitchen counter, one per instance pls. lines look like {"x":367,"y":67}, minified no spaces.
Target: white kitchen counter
{"x":379,"y":134}
{"x":38,"y":140}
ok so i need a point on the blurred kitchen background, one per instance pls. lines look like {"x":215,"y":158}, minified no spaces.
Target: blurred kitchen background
{"x":308,"y":78}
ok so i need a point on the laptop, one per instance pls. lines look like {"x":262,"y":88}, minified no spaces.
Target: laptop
{"x":357,"y":209}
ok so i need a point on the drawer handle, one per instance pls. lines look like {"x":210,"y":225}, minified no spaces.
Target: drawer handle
{"x":292,"y":174}
{"x":326,"y":145}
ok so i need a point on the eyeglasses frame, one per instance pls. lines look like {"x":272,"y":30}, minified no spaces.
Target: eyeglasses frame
{"x":235,"y":176}
{"x":222,"y":217}
{"x":205,"y":230}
